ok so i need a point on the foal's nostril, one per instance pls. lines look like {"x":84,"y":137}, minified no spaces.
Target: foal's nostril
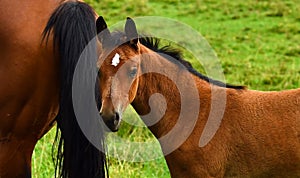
{"x":117,"y":118}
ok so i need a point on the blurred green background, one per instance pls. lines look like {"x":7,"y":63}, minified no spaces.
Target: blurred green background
{"x":257,"y":42}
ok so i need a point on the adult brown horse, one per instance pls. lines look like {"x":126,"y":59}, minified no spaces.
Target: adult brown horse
{"x":259,"y":134}
{"x":36,"y":85}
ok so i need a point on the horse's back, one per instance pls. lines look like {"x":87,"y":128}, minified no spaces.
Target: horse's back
{"x":267,"y":133}
{"x":280,"y":108}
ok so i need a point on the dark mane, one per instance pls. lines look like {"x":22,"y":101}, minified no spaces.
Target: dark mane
{"x":169,"y":52}
{"x":72,"y":25}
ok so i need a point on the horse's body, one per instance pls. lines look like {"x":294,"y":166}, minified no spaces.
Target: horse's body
{"x":30,"y":85}
{"x":258,"y":137}
{"x":259,"y":134}
{"x":29,"y":89}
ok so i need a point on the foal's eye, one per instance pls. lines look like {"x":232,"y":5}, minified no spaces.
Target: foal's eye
{"x":133,"y":72}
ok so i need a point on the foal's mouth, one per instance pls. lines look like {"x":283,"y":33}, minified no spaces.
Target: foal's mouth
{"x":112,"y":121}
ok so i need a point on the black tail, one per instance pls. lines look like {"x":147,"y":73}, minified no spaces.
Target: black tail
{"x":73,"y":26}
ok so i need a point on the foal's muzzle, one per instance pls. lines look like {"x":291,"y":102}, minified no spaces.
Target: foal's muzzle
{"x":112,"y":120}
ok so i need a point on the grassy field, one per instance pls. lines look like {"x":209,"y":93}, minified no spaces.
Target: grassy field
{"x":257,"y":42}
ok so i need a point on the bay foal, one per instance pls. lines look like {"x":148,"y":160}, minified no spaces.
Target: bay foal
{"x":259,"y":134}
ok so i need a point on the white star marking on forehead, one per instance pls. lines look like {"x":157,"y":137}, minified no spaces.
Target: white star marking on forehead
{"x":116,"y":60}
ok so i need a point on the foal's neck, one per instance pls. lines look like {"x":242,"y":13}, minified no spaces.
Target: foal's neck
{"x":160,"y":92}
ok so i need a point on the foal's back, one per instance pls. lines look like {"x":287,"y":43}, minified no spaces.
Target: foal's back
{"x":265,"y":133}
{"x":259,"y":136}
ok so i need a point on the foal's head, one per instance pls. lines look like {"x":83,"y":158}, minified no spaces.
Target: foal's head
{"x":119,"y":66}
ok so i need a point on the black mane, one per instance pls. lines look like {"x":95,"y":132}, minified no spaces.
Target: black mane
{"x":169,"y":52}
{"x":72,"y":25}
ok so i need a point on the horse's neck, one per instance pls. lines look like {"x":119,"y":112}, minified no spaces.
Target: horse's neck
{"x":161,"y":91}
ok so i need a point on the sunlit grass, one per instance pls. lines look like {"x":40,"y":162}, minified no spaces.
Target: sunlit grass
{"x":42,"y":164}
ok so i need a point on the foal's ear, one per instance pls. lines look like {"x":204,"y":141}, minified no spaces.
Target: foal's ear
{"x":131,"y":32}
{"x":102,"y":30}
{"x":100,"y":24}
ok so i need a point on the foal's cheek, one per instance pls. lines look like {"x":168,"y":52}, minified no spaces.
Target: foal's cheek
{"x":133,"y":90}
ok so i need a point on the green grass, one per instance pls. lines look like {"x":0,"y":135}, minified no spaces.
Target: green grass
{"x":42,"y":164}
{"x":256,"y":41}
